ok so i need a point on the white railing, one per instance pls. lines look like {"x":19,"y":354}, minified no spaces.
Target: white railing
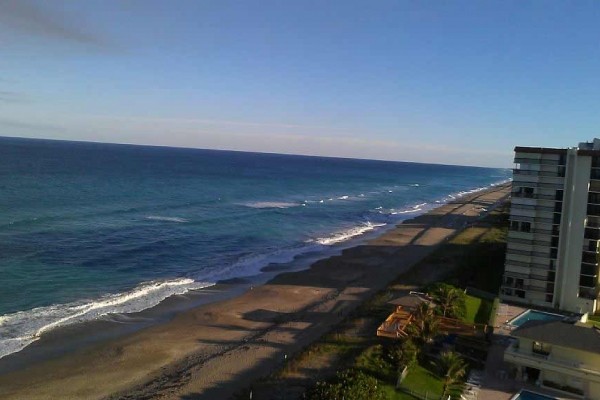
{"x":550,"y":359}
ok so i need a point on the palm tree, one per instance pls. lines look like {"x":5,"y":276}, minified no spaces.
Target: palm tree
{"x":451,"y":300}
{"x":451,"y":368}
{"x":425,"y":323}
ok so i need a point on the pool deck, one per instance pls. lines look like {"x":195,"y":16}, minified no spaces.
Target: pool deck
{"x":497,"y":384}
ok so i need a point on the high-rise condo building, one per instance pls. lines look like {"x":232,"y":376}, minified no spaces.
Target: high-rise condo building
{"x":552,"y":247}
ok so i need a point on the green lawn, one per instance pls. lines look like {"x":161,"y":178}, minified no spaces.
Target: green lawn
{"x":594,"y":320}
{"x":473,"y":304}
{"x":419,"y":378}
{"x":422,"y":380}
{"x":478,"y":310}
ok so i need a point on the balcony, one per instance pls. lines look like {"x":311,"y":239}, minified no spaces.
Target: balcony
{"x":527,"y":253}
{"x":537,"y":277}
{"x":535,"y":161}
{"x":535,"y":196}
{"x":590,"y":258}
{"x":535,"y":207}
{"x":549,"y":362}
{"x":531,"y":288}
{"x":515,"y":216}
{"x":592,"y":233}
{"x":551,"y":174}
{"x":589,"y":270}
{"x":522,"y":264}
{"x":593,"y":210}
{"x":532,"y":242}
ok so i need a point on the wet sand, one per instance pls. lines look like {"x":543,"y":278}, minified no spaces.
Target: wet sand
{"x":214,"y":350}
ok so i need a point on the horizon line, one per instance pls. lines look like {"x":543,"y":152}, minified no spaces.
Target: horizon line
{"x":244,"y":151}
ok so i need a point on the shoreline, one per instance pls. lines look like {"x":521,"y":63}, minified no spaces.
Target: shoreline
{"x":181,"y":356}
{"x":42,"y":346}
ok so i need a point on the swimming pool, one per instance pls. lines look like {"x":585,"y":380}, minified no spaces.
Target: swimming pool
{"x":527,"y":395}
{"x":533,"y":315}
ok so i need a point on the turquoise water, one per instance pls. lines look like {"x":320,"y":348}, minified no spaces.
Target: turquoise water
{"x":527,"y":395}
{"x":89,"y":229}
{"x":533,"y":315}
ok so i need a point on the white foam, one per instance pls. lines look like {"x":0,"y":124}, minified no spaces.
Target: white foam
{"x":271,"y":204}
{"x":167,"y":219}
{"x":413,"y":210}
{"x":17,"y":330}
{"x":343,"y":198}
{"x":454,"y":196}
{"x":342,"y":236}
{"x":253,"y":264}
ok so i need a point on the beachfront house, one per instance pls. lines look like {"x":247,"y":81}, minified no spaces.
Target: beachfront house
{"x":557,"y":355}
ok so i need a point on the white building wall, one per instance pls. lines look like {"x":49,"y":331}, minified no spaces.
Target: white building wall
{"x":572,"y":229}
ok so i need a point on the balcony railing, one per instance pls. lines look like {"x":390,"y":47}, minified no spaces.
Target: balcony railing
{"x":534,"y":207}
{"x":574,"y":367}
{"x":527,"y":218}
{"x":550,"y":174}
{"x":532,"y":242}
{"x":516,"y":263}
{"x":528,"y":253}
{"x":536,"y":161}
{"x":533,"y":196}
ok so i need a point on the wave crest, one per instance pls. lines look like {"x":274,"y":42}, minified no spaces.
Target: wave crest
{"x":342,"y":236}
{"x":166,"y":219}
{"x":270,"y":204}
{"x":24,"y":327}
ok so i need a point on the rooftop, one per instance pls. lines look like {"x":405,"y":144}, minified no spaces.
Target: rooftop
{"x":584,"y":148}
{"x":573,"y":336}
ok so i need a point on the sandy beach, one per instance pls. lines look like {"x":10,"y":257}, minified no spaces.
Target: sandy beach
{"x":214,"y":350}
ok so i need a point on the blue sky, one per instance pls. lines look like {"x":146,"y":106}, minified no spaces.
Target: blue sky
{"x":458,"y":82}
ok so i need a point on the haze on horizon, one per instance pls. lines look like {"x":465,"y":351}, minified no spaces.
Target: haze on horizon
{"x":454,"y":82}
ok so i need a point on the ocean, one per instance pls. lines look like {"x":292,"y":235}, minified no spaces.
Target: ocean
{"x":90,"y":229}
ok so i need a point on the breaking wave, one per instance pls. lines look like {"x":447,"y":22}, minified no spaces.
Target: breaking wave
{"x":17,"y":330}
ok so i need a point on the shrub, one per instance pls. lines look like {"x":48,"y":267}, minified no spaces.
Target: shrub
{"x":406,"y":354}
{"x":348,"y":385}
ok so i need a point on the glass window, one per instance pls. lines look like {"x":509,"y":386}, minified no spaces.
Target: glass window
{"x":587,"y":281}
{"x":559,"y":195}
{"x":519,"y":283}
{"x":541,"y":348}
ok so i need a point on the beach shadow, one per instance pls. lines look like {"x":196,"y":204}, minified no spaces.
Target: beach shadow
{"x":359,"y":268}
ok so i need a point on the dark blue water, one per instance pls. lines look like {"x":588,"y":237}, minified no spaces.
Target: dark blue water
{"x":87,"y":229}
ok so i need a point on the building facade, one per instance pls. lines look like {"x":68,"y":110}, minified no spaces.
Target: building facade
{"x":557,"y":355}
{"x":552,"y":245}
